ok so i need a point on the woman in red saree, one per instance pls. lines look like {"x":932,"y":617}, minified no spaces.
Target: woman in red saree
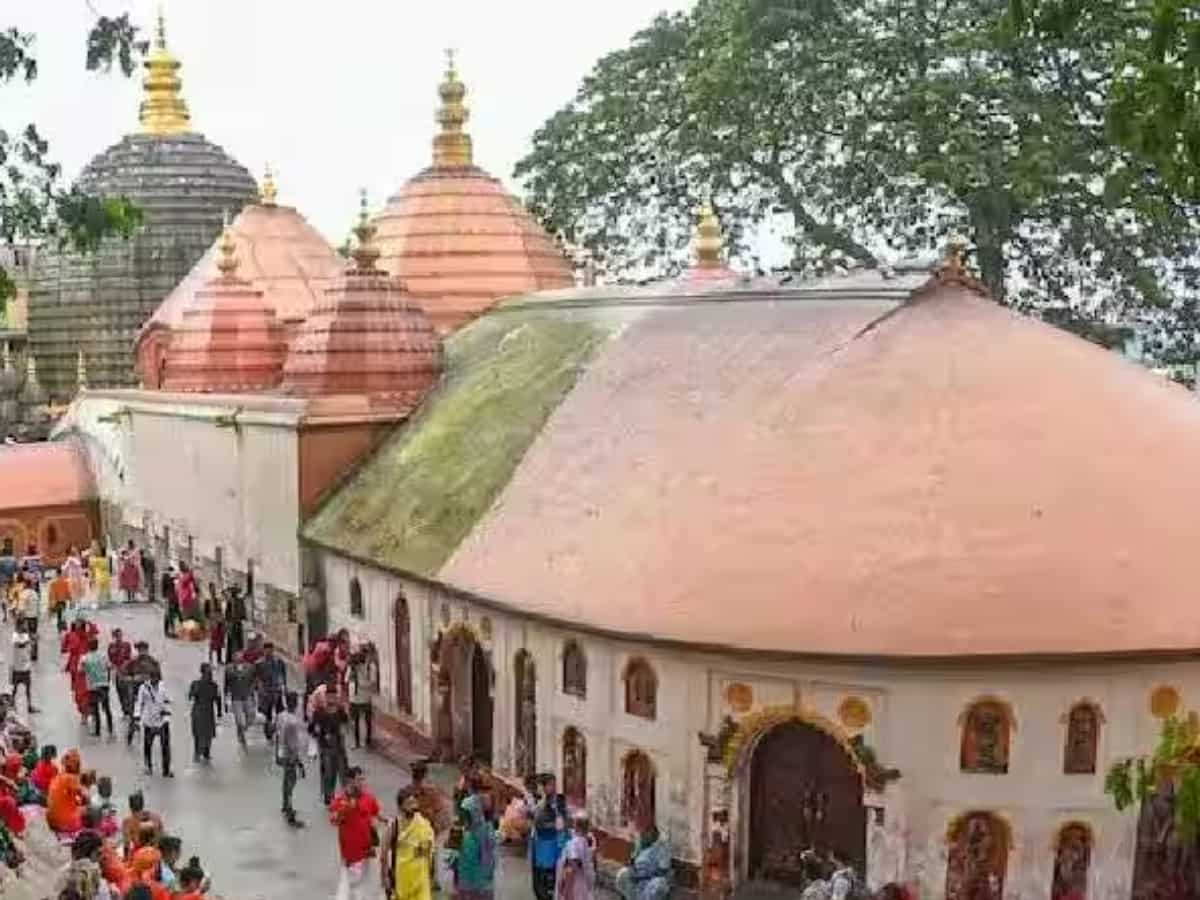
{"x":75,"y":646}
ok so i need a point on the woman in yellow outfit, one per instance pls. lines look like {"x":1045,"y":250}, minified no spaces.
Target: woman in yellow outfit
{"x":408,"y":851}
{"x":101,"y":576}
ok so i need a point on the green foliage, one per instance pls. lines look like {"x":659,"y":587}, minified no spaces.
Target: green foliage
{"x":883,"y":126}
{"x":35,"y":208}
{"x":1176,"y":759}
{"x":414,"y":502}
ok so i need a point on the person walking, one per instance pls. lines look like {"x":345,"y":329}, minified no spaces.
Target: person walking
{"x":171,"y":616}
{"x":289,"y":753}
{"x":120,"y":655}
{"x":129,"y":572}
{"x":97,"y":671}
{"x":325,"y":724}
{"x":270,"y":676}
{"x":476,"y":873}
{"x":407,"y":852}
{"x":364,"y":684}
{"x":149,"y":569}
{"x":576,"y":878}
{"x":206,"y":709}
{"x":153,"y":711}
{"x":21,"y":667}
{"x":29,"y":610}
{"x":235,"y":622}
{"x":548,"y":837}
{"x":140,"y":670}
{"x":353,"y":812}
{"x":239,"y":691}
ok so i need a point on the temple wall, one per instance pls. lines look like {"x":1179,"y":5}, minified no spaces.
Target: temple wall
{"x":914,"y":725}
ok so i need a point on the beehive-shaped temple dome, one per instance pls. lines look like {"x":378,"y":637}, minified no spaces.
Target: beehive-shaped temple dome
{"x":229,"y":340}
{"x":456,"y":237}
{"x":278,"y":251}
{"x":183,"y":185}
{"x":367,"y":337}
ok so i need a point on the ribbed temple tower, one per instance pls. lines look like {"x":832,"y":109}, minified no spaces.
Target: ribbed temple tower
{"x":456,"y":237}
{"x":184,"y":185}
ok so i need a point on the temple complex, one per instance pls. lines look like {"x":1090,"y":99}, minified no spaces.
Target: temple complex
{"x":272,"y":370}
{"x":96,"y":303}
{"x":827,"y":565}
{"x":47,"y":499}
{"x":456,"y":237}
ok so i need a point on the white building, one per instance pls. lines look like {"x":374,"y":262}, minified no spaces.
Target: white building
{"x":727,"y":555}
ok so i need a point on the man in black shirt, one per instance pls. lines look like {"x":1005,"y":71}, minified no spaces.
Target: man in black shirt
{"x":239,"y":689}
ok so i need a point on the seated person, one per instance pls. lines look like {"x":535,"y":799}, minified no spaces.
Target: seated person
{"x":193,"y":883}
{"x":139,"y":825}
{"x":46,"y":769}
{"x":66,"y":799}
{"x":648,"y":876}
{"x":144,"y":870}
{"x":22,"y":788}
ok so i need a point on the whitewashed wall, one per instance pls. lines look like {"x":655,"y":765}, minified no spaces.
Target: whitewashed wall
{"x":915,"y":728}
{"x":166,"y":461}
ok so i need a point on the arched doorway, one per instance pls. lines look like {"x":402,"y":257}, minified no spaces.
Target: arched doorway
{"x":403,"y":658}
{"x":462,"y":697}
{"x":805,"y":794}
{"x":525,"y":713}
{"x":481,"y":706}
{"x":978,"y":863}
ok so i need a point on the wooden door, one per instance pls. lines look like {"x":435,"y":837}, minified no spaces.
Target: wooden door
{"x":403,"y":659}
{"x":481,"y":706}
{"x":805,"y":795}
{"x":525,"y":712}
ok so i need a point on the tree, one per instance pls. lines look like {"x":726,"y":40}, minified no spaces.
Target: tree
{"x":871,"y":128}
{"x":34,"y":205}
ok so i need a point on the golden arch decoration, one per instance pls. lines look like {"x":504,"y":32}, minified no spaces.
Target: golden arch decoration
{"x":956,"y":823}
{"x":1066,"y":826}
{"x":1009,"y":713}
{"x":756,"y":724}
{"x":1164,"y":701}
{"x":1094,"y":705}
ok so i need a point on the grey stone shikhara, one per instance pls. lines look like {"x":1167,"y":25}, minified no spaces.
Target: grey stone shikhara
{"x":96,"y":302}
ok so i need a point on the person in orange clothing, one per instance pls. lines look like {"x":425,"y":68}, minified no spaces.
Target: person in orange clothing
{"x":66,"y":798}
{"x":143,"y":869}
{"x":60,"y":599}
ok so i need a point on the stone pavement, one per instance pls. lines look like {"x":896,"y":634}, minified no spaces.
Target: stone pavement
{"x":226,"y":812}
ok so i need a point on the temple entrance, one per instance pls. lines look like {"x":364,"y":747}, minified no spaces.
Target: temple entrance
{"x":481,"y":706}
{"x":978,"y":864}
{"x":525,"y":710}
{"x":805,"y":795}
{"x":463,"y":698}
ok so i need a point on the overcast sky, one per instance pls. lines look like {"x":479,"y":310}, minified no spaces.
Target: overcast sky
{"x":335,"y":94}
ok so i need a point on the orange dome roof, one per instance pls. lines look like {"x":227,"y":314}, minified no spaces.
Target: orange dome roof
{"x":367,"y":336}
{"x":457,"y":238}
{"x":279,"y":252}
{"x":229,"y":339}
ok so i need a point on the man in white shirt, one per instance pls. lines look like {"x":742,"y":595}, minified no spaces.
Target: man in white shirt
{"x":29,"y":608}
{"x":22,"y":665}
{"x":153,"y":710}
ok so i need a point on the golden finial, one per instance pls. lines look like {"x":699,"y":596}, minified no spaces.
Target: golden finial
{"x":268,"y":192}
{"x":365,"y":252}
{"x":228,"y":263}
{"x":452,"y":145}
{"x":164,"y":111}
{"x":81,"y":379}
{"x":708,"y":237}
{"x":955,"y":261}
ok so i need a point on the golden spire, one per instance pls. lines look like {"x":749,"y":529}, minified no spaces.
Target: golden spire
{"x":268,"y":192}
{"x":452,"y":145}
{"x":81,"y":379}
{"x":708,"y":237}
{"x":228,"y":263}
{"x":164,"y":111}
{"x":365,"y":252}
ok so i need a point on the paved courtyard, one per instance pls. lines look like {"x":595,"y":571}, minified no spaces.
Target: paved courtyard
{"x":227,"y":812}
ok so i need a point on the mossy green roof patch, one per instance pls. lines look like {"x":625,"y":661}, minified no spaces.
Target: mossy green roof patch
{"x":419,"y":496}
